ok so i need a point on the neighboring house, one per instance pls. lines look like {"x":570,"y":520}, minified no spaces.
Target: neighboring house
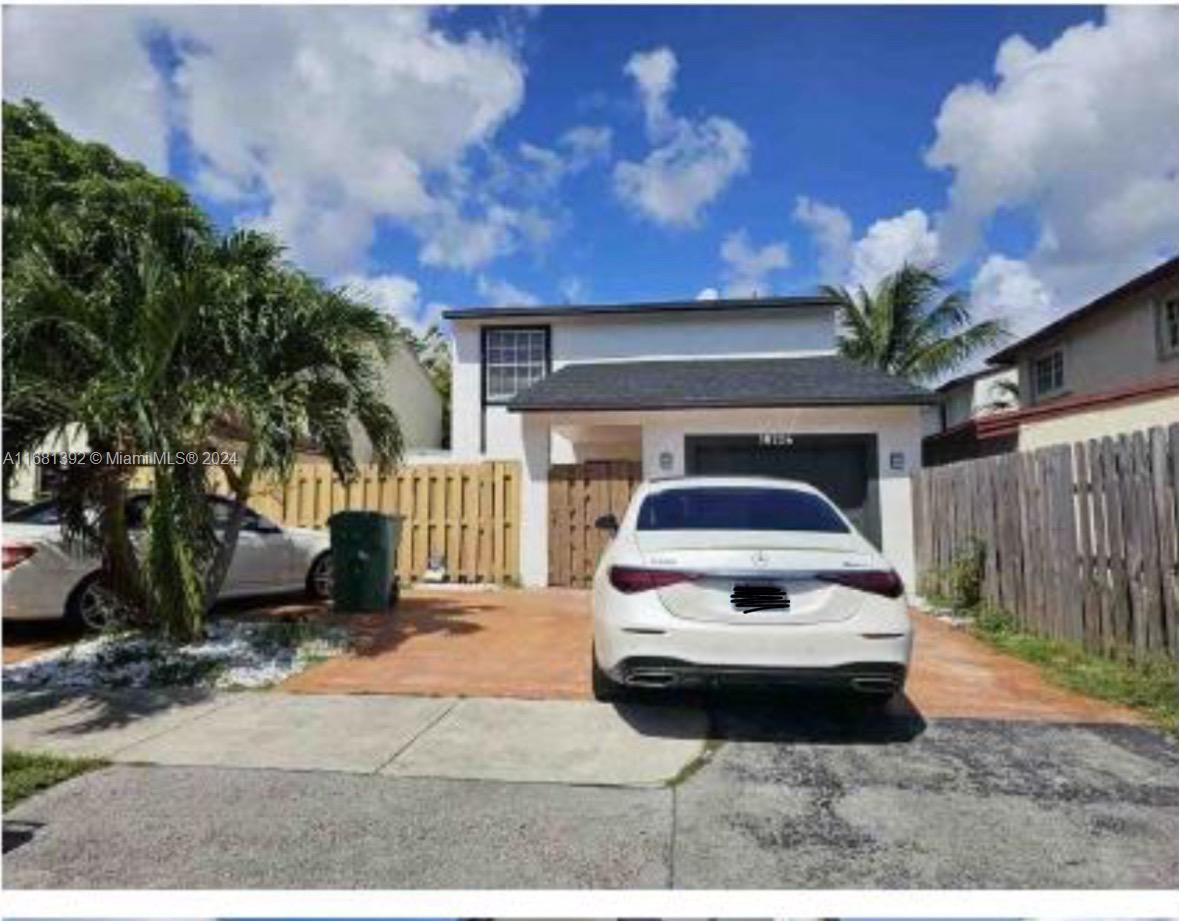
{"x":406,"y":385}
{"x":964,"y":399}
{"x":696,"y":387}
{"x":1107,"y":368}
{"x":415,"y":399}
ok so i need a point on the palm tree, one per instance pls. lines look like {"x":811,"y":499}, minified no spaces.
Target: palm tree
{"x":107,"y":355}
{"x":296,"y":363}
{"x":911,"y":325}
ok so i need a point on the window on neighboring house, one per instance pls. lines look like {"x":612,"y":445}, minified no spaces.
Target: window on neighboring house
{"x":1048,"y":373}
{"x":1169,"y":327}
{"x":514,"y":358}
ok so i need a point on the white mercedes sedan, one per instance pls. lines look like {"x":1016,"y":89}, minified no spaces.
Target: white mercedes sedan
{"x":44,"y":579}
{"x":717,"y":580}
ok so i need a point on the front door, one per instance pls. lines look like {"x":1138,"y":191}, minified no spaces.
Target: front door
{"x":842,"y":466}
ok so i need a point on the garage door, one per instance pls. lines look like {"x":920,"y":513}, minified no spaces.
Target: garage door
{"x":842,"y":466}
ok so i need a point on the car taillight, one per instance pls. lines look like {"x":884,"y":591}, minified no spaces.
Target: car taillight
{"x":631,"y":579}
{"x":877,"y":581}
{"x":17,"y":553}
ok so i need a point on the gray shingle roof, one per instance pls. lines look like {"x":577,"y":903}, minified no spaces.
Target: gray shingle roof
{"x":823,"y":380}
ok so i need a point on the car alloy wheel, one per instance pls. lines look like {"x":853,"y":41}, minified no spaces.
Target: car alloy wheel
{"x":99,"y":608}
{"x":321,"y":576}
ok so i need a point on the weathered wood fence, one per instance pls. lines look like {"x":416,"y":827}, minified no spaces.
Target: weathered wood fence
{"x":1079,"y":542}
{"x":578,"y":495}
{"x":467,"y":513}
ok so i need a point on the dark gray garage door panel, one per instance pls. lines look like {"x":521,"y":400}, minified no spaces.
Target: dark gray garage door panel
{"x":842,"y":466}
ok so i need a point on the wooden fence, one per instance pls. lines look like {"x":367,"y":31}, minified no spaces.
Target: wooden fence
{"x":467,"y":513}
{"x":578,"y":495}
{"x":1079,"y":542}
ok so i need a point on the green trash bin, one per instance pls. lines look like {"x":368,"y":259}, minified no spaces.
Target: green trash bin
{"x":364,"y":545}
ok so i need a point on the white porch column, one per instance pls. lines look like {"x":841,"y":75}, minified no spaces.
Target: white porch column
{"x":534,"y":502}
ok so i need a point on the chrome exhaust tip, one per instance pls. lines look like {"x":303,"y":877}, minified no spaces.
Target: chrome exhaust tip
{"x":650,"y":678}
{"x":874,"y":685}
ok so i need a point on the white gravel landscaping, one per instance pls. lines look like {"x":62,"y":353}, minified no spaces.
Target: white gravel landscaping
{"x":234,"y":654}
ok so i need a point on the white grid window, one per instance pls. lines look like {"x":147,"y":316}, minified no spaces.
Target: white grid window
{"x":1048,"y":373}
{"x":513,"y":360}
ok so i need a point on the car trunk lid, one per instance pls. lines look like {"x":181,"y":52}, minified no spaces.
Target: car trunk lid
{"x":759,"y":577}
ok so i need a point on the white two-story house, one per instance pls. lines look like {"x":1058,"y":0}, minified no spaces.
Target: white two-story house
{"x":695,"y":387}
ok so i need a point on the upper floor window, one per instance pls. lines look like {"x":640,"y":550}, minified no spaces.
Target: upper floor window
{"x":1048,"y":373}
{"x":1169,"y":327}
{"x":514,"y":358}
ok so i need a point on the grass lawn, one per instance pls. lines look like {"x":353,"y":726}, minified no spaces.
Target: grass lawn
{"x":26,"y":773}
{"x":1149,"y":687}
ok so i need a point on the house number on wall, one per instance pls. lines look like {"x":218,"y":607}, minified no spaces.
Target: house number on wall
{"x":775,"y":440}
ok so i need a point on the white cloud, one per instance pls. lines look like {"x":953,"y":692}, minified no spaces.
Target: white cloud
{"x":832,"y":231}
{"x":451,"y":239}
{"x":89,"y":68}
{"x":316,"y":121}
{"x":587,"y":144}
{"x":1007,"y":288}
{"x":395,"y":295}
{"x":543,"y":168}
{"x":654,"y":75}
{"x":500,"y":293}
{"x":692,"y":162}
{"x":708,"y":294}
{"x":1085,"y":134}
{"x":747,"y":268}
{"x":889,"y":244}
{"x":574,"y":290}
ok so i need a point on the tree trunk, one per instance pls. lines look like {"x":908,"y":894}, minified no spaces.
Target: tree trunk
{"x":240,"y":484}
{"x":121,"y":572}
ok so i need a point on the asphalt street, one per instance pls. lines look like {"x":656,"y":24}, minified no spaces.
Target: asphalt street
{"x":776,"y":801}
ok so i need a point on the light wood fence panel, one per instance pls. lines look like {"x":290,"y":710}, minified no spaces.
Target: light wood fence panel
{"x":1079,"y":542}
{"x":578,"y":495}
{"x":467,"y":513}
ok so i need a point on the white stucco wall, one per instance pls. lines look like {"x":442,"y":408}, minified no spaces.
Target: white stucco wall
{"x":758,"y":333}
{"x":897,"y":429}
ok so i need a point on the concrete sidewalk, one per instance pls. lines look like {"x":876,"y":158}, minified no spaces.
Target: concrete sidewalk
{"x":572,"y":742}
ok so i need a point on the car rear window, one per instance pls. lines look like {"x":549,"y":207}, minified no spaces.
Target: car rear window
{"x":738,"y":508}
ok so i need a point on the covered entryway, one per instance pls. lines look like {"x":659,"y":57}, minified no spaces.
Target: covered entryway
{"x":842,"y":466}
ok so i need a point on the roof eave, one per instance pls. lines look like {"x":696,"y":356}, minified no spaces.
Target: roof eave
{"x":931,"y":400}
{"x":579,"y":310}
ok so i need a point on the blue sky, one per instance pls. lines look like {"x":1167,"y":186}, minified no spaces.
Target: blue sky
{"x":493,"y":155}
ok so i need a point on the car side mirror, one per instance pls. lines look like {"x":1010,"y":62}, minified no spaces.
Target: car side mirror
{"x":607,"y":523}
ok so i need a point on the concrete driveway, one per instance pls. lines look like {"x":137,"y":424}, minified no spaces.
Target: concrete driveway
{"x":397,"y":792}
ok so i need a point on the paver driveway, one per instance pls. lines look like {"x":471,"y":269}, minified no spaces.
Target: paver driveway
{"x":535,"y":644}
{"x":984,"y":776}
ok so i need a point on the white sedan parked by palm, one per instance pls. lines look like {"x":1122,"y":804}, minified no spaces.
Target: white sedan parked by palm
{"x":44,"y":579}
{"x":744,"y":580}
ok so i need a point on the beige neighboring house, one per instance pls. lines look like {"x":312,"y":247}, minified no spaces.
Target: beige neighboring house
{"x":416,"y":401}
{"x":407,"y":386}
{"x":1108,"y":368}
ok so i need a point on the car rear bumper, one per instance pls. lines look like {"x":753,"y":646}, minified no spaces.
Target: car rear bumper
{"x":29,"y":595}
{"x":879,"y":634}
